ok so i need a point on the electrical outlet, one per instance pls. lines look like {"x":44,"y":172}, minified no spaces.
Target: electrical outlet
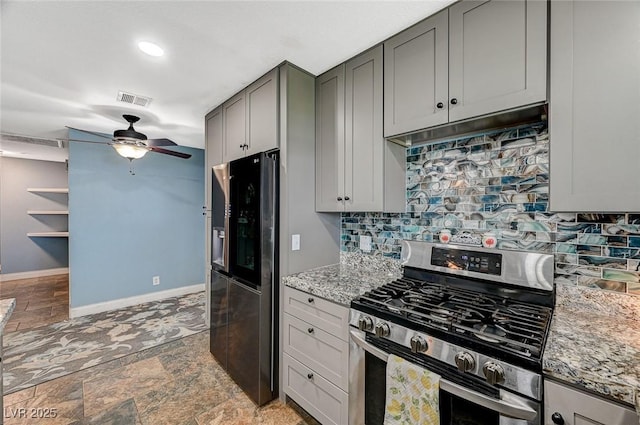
{"x":365,"y":243}
{"x":156,"y":280}
{"x":295,"y":242}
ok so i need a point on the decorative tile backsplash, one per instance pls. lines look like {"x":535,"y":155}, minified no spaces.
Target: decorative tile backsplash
{"x":498,"y":182}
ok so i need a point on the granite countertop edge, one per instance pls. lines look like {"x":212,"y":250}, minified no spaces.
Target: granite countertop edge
{"x":352,"y":276}
{"x":6,"y":308}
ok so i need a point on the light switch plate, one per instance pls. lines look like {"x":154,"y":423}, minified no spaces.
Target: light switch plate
{"x":295,"y":242}
{"x":365,"y":243}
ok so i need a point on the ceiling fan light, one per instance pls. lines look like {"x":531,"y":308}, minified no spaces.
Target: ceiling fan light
{"x":130,"y":151}
{"x":151,"y":49}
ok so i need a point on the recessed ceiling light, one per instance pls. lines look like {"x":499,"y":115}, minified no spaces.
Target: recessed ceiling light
{"x":151,"y":49}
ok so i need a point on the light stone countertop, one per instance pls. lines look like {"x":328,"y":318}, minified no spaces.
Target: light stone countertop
{"x":6,"y":308}
{"x":353,"y":276}
{"x":594,"y":342}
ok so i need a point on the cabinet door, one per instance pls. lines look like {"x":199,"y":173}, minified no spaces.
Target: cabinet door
{"x":364,"y":142}
{"x":262,"y":113}
{"x":497,"y":56}
{"x":579,"y":408}
{"x":594,"y":122}
{"x":416,"y":76}
{"x":323,"y":400}
{"x":330,"y":140}
{"x":214,"y":138}
{"x":234,"y":128}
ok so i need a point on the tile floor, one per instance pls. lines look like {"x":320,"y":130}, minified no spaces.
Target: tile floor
{"x":178,"y":383}
{"x":39,"y":301}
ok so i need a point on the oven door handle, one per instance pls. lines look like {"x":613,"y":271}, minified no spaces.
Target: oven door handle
{"x":507,"y":405}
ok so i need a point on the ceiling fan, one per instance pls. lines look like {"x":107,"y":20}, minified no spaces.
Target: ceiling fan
{"x":132,"y":144}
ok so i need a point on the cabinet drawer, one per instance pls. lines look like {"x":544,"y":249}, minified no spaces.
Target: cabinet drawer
{"x":579,"y":408}
{"x":323,"y":400}
{"x":326,"y":354}
{"x":328,"y":316}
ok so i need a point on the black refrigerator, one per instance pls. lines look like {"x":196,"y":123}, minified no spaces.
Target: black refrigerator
{"x":244,"y":279}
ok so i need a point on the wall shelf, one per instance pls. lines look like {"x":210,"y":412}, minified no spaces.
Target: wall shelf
{"x":53,"y":234}
{"x":48,"y":235}
{"x":47,"y":212}
{"x":48,"y":189}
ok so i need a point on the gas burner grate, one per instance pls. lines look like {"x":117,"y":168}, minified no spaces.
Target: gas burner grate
{"x":513,"y":326}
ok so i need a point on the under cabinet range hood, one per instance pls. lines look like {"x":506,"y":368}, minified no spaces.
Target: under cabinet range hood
{"x":526,"y":115}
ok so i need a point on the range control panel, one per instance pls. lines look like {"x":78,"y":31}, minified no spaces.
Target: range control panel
{"x":462,"y":259}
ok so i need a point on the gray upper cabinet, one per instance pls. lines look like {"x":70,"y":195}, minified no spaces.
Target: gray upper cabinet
{"x":594,"y":105}
{"x":416,"y":76}
{"x":475,"y":58}
{"x":497,"y":56}
{"x":354,"y":164}
{"x":330,"y":140}
{"x":262,"y":113}
{"x":213,"y":137}
{"x":235,"y":137}
{"x":251,"y":118}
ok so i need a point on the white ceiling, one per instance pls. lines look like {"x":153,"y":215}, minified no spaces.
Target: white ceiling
{"x":63,"y":62}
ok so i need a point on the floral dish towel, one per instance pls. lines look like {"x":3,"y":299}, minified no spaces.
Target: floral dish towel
{"x":412,"y":394}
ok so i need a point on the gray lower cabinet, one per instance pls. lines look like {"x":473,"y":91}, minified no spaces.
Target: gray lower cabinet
{"x":476,"y":58}
{"x":316,"y":356}
{"x":568,"y":406}
{"x":251,"y":119}
{"x":356,"y":169}
{"x":594,"y":106}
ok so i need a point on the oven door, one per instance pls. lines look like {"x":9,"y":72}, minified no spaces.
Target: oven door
{"x":459,"y":404}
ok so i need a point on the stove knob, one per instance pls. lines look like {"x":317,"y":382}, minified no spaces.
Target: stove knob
{"x":365,"y":323}
{"x":465,"y":361}
{"x":418,"y":344}
{"x":493,"y":372}
{"x":382,"y":330}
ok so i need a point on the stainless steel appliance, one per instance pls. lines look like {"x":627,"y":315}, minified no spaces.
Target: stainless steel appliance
{"x":477,"y":317}
{"x":244,"y":279}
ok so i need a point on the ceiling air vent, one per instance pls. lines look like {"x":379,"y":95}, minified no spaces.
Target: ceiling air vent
{"x":32,"y":140}
{"x":133,"y":99}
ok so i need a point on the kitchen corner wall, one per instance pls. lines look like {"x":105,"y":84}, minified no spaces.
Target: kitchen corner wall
{"x":499,"y":182}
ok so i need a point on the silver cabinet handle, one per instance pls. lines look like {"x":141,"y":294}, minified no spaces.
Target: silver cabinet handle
{"x":507,"y":404}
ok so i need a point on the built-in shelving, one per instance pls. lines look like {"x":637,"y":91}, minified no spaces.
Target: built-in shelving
{"x":46,"y":212}
{"x":48,"y":234}
{"x":53,"y":234}
{"x":49,"y":189}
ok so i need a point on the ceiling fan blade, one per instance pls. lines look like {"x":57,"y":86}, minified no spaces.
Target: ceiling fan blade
{"x":168,"y":152}
{"x":160,"y":142}
{"x":89,"y":132}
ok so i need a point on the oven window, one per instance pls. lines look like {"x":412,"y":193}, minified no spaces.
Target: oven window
{"x":453,"y":410}
{"x":462,"y":412}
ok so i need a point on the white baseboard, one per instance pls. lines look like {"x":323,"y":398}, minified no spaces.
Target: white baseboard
{"x":36,"y":273}
{"x":131,"y":301}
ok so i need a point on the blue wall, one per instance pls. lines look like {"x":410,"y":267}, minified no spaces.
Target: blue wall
{"x":124,"y":229}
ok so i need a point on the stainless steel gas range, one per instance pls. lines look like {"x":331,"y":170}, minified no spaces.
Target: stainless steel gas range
{"x":477,"y":317}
